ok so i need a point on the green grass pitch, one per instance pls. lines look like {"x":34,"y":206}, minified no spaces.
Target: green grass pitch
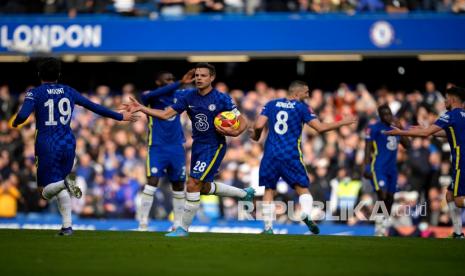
{"x":31,"y":252}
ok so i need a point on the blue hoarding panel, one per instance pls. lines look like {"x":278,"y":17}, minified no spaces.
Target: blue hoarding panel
{"x":235,"y":34}
{"x":52,"y":221}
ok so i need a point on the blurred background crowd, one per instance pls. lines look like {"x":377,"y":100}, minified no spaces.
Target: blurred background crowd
{"x":153,"y":8}
{"x":110,"y":161}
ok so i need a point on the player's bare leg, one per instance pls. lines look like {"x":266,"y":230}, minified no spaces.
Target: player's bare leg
{"x":268,"y":198}
{"x":146,"y":201}
{"x":306,"y":205}
{"x":179,"y":200}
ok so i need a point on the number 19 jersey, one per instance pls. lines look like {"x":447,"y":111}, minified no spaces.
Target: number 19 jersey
{"x":283,"y":157}
{"x":55,"y":144}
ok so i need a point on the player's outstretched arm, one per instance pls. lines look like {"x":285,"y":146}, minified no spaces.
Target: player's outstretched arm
{"x":24,"y":112}
{"x":324,"y":127}
{"x":227,"y":131}
{"x":168,"y":89}
{"x":258,"y":127}
{"x":403,"y":139}
{"x":415,"y":132}
{"x":103,"y":111}
{"x":135,"y":106}
{"x":440,"y":134}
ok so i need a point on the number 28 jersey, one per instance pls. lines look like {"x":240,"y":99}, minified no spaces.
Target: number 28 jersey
{"x":202,"y":110}
{"x":286,"y":119}
{"x":384,"y":154}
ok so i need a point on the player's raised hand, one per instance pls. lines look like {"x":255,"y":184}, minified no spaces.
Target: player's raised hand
{"x":135,"y":105}
{"x":188,"y":77}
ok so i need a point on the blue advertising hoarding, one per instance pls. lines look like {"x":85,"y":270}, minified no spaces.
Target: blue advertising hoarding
{"x":260,"y":34}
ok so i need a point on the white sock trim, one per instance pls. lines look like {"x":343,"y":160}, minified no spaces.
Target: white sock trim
{"x":149,"y":190}
{"x":212,"y":188}
{"x":193,"y":197}
{"x":179,"y":194}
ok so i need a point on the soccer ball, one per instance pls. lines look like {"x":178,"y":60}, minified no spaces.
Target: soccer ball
{"x":227,"y":119}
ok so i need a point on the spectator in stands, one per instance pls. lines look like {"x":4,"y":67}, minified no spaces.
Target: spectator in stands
{"x":458,"y":6}
{"x":432,"y":95}
{"x":9,"y":195}
{"x":171,"y":7}
{"x":370,"y":6}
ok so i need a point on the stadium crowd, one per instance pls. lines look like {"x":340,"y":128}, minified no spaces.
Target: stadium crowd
{"x":189,"y":7}
{"x":111,"y":156}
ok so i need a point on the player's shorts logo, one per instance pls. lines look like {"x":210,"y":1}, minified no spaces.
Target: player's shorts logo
{"x":201,"y":124}
{"x":382,"y":34}
{"x":381,"y":183}
{"x":212,"y":107}
{"x":154,"y":169}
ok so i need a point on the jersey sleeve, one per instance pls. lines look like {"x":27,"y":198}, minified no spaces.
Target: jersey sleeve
{"x":181,"y":103}
{"x":167,"y":89}
{"x":229,"y":105}
{"x":370,"y":133}
{"x":266,"y":110}
{"x":26,"y":109}
{"x":307,"y":114}
{"x":96,"y":108}
{"x":444,"y":121}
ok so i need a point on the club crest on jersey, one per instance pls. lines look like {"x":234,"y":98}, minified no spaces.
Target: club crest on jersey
{"x":444,"y":117}
{"x":212,"y":107}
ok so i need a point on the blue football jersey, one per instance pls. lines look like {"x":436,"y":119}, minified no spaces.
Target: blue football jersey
{"x":202,"y":111}
{"x":286,"y":119}
{"x":53,"y":105}
{"x":384,"y":147}
{"x":164,"y":132}
{"x":453,"y":122}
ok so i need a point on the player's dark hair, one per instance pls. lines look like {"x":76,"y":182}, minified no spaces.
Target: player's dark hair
{"x":161,"y":73}
{"x":383,"y":107}
{"x":49,"y":69}
{"x":456,"y":91}
{"x":208,"y":66}
{"x":295,"y":85}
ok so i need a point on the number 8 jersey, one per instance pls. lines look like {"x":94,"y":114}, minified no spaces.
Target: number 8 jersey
{"x":285,"y":120}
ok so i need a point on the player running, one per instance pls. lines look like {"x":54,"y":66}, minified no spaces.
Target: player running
{"x":209,"y":144}
{"x":453,"y":123}
{"x":381,"y":161}
{"x":282,"y":157}
{"x":55,"y":144}
{"x":165,"y":155}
